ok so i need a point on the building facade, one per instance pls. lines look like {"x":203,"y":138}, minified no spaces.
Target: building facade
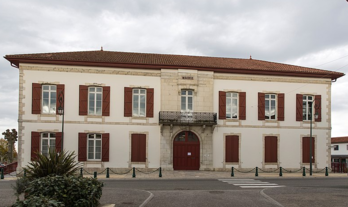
{"x":124,"y":110}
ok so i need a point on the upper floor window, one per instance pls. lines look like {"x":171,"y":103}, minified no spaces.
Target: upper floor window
{"x":94,"y":146}
{"x":139,"y":102}
{"x":186,"y":100}
{"x":307,"y":107}
{"x":48,"y":142}
{"x":336,"y":147}
{"x":95,"y":100}
{"x":232,"y":105}
{"x":270,"y":106}
{"x":49,"y":99}
{"x":44,"y":98}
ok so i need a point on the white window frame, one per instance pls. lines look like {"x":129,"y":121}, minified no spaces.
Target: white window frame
{"x":50,"y":136}
{"x":268,"y":97}
{"x":51,"y":89}
{"x":95,"y":138}
{"x":96,"y":93}
{"x":188,"y":94}
{"x":136,"y":108}
{"x":305,"y":107}
{"x":230,"y":98}
{"x":336,"y":147}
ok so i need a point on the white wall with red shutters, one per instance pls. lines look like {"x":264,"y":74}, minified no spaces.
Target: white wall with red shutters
{"x":289,"y":131}
{"x":118,"y":126}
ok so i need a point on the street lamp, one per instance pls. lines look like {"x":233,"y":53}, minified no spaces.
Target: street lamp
{"x":310,"y":137}
{"x":61,"y":112}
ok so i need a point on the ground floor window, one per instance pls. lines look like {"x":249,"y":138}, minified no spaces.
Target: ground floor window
{"x":48,"y":142}
{"x":306,"y":148}
{"x":94,"y":146}
{"x":138,"y":148}
{"x":232,"y":148}
{"x":271,"y":149}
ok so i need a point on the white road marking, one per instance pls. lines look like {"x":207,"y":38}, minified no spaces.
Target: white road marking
{"x":250,"y":183}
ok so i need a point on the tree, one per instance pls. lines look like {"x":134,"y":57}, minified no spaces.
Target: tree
{"x":11,"y":137}
{"x":3,"y":150}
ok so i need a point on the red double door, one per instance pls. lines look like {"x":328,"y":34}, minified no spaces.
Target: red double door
{"x":186,"y":151}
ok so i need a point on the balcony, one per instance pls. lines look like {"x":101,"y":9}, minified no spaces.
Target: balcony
{"x":187,"y":118}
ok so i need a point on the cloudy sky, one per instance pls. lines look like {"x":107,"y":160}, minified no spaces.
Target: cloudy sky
{"x":308,"y":33}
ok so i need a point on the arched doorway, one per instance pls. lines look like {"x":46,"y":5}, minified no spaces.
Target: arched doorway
{"x":186,"y":151}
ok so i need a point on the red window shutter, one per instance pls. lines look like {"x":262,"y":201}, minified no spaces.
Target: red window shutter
{"x":83,"y":102}
{"x":281,"y":99}
{"x":149,"y":102}
{"x":106,"y":101}
{"x":128,"y":92}
{"x":242,"y":105}
{"x":60,"y":89}
{"x":82,"y":154}
{"x":261,"y":106}
{"x":222,"y":105}
{"x":105,"y":147}
{"x":271,"y":149}
{"x":299,"y":107}
{"x":36,"y":99}
{"x":138,"y":147}
{"x":35,"y":145}
{"x":306,"y":148}
{"x":59,"y":141}
{"x":317,"y":106}
{"x":232,"y":149}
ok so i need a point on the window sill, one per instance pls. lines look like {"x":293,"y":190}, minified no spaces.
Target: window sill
{"x":139,"y":117}
{"x":271,"y":121}
{"x":94,"y":116}
{"x":232,"y":120}
{"x":49,"y":115}
{"x":138,"y":162}
{"x":93,"y":162}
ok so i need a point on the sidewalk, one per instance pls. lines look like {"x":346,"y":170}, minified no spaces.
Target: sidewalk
{"x":203,"y":175}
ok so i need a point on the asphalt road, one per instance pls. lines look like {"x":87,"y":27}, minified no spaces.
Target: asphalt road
{"x":212,"y":192}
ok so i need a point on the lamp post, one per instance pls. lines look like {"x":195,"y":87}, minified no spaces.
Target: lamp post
{"x":310,"y":138}
{"x":61,"y":112}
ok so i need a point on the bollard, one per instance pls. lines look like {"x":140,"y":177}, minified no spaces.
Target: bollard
{"x":95,"y":174}
{"x":107,"y":173}
{"x":280,"y":171}
{"x":160,"y":172}
{"x":257,"y":172}
{"x":2,"y":173}
{"x":81,"y":173}
{"x":304,"y":171}
{"x":232,"y":172}
{"x":25,"y":173}
{"x":326,"y":172}
{"x":133,"y":176}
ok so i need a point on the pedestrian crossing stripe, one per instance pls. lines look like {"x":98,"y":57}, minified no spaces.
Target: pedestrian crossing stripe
{"x":250,"y":183}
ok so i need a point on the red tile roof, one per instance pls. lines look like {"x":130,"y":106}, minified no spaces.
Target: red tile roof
{"x":163,"y":61}
{"x":339,"y":140}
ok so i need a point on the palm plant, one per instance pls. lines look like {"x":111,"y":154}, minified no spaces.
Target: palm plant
{"x":62,"y":163}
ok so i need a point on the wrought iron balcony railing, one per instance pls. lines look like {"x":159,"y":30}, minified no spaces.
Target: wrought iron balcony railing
{"x":187,"y":118}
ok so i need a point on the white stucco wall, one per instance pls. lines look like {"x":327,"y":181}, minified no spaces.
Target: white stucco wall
{"x":116,"y":124}
{"x":289,"y":131}
{"x":205,"y":85}
{"x":342,"y":149}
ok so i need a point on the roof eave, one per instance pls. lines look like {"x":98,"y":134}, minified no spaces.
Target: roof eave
{"x":16,"y":61}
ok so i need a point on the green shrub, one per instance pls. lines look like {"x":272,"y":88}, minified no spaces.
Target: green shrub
{"x":39,"y":201}
{"x":53,"y":164}
{"x":70,"y":190}
{"x":20,"y":186}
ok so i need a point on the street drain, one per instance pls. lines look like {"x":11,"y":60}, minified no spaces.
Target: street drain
{"x":216,"y":192}
{"x":128,"y":203}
